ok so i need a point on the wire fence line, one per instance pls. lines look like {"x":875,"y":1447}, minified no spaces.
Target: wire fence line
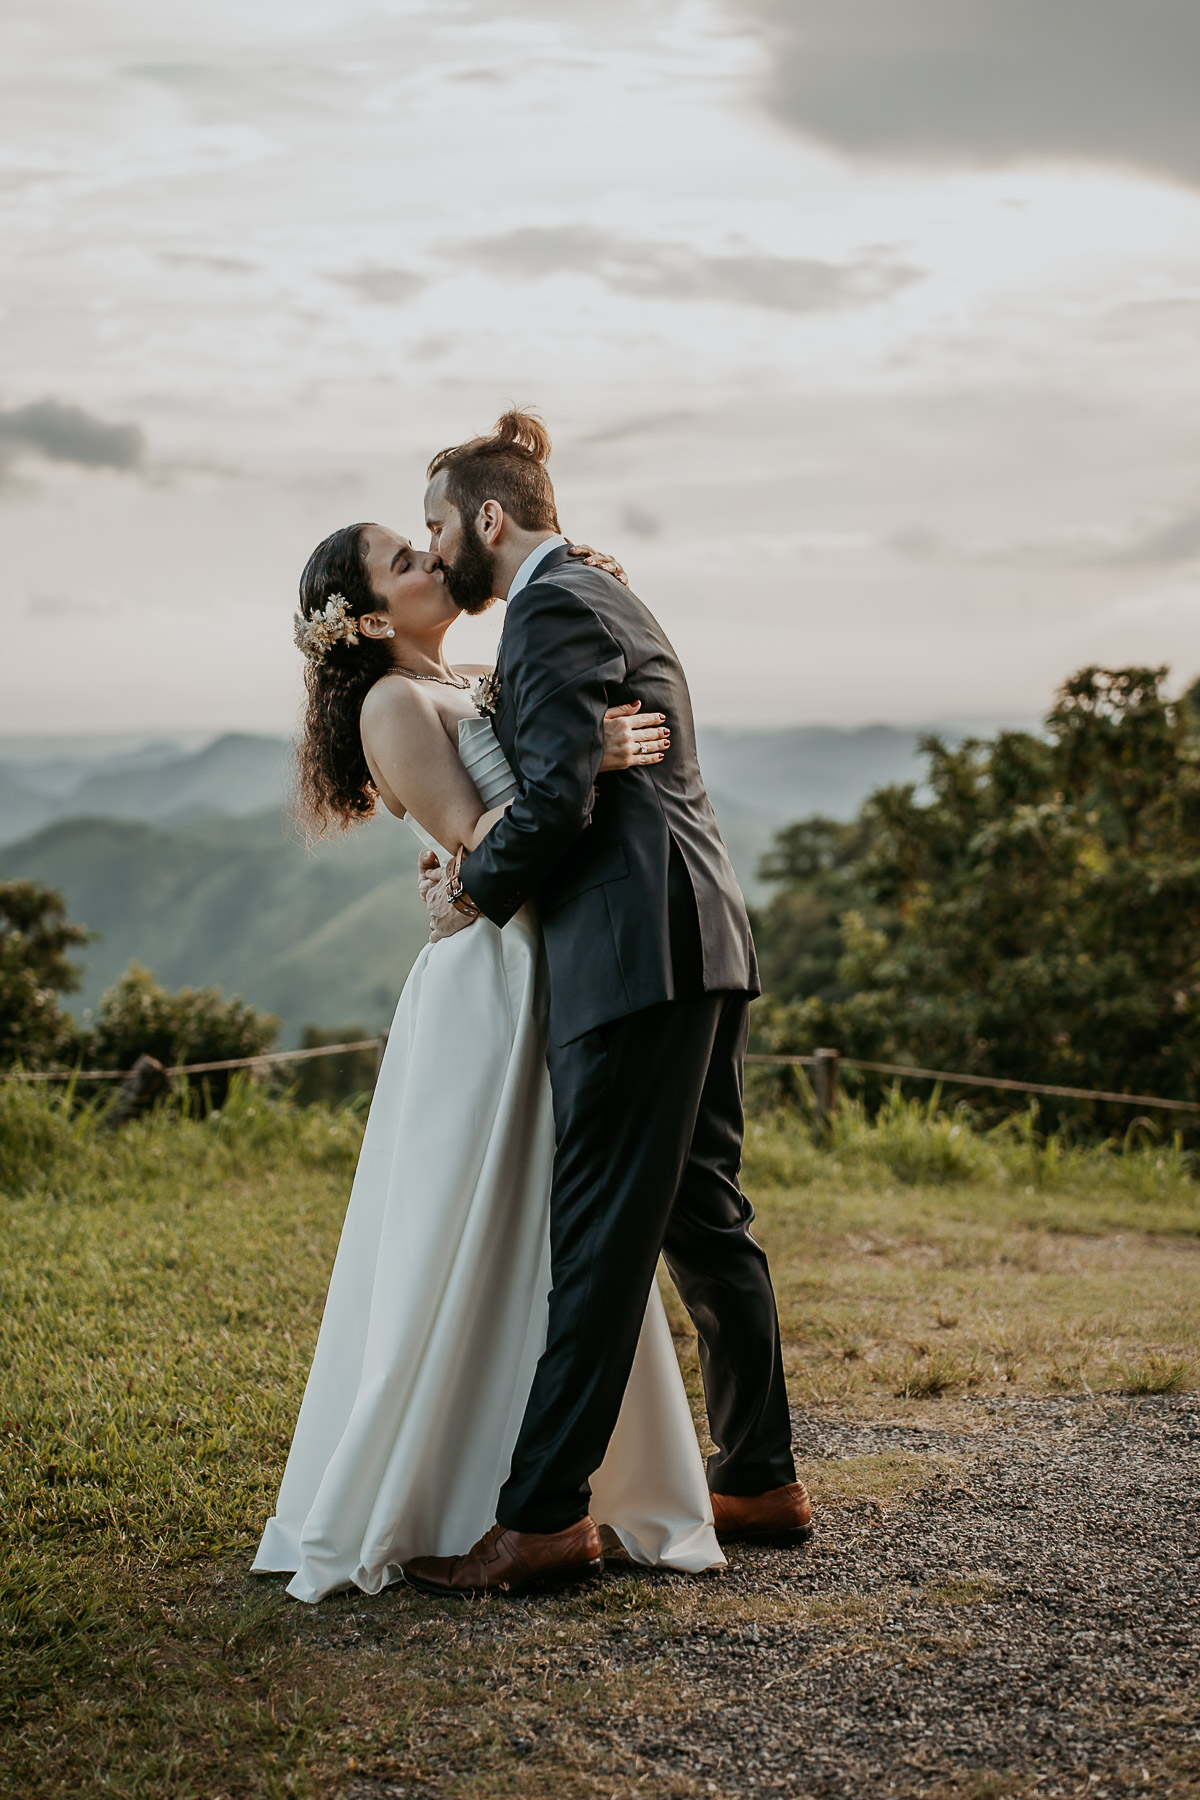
{"x":817,"y":1061}
{"x":983,"y":1081}
{"x":204,"y":1068}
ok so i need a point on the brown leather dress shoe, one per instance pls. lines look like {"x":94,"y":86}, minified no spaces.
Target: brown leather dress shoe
{"x":780,"y":1517}
{"x":508,"y":1562}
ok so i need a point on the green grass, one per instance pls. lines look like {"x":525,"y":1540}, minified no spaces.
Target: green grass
{"x":162,"y":1289}
{"x":1040,"y":1268}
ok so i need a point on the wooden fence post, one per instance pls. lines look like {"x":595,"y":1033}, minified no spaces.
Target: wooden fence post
{"x":139,"y":1090}
{"x":825,"y":1084}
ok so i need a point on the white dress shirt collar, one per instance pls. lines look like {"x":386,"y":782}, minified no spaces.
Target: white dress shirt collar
{"x":525,"y":573}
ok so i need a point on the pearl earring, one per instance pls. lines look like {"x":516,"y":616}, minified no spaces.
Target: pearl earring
{"x":389,"y":632}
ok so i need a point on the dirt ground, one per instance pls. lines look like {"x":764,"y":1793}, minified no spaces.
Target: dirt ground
{"x":1001,"y":1604}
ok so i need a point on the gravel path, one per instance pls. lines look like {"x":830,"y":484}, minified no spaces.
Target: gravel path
{"x":1024,"y":1620}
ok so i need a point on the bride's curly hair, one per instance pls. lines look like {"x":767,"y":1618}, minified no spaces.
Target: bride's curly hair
{"x":333,"y":785}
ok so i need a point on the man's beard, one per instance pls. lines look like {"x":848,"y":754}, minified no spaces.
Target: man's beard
{"x":472,"y":576}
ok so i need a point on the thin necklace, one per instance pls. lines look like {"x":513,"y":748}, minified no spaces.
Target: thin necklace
{"x":454,"y":681}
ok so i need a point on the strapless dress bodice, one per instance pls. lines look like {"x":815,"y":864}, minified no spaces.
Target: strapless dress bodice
{"x":486,"y":764}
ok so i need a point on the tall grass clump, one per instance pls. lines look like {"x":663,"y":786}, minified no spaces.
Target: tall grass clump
{"x":914,"y":1142}
{"x":917,"y":1142}
{"x":53,"y":1146}
{"x":1157,"y":1374}
{"x":41,"y":1130}
{"x":1142,"y":1180}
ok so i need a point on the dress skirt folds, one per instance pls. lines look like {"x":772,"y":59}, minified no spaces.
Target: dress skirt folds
{"x":436,"y":1313}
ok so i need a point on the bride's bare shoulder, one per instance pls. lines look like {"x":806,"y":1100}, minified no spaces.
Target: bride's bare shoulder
{"x":474,"y":669}
{"x":397,"y":717}
{"x":391,"y":698}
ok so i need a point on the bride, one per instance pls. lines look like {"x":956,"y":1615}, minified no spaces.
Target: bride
{"x":436,"y":1312}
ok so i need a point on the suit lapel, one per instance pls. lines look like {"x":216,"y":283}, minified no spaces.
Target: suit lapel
{"x":504,"y":719}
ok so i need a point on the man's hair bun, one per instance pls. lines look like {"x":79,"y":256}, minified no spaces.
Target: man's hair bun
{"x":507,"y":465}
{"x":521,"y":431}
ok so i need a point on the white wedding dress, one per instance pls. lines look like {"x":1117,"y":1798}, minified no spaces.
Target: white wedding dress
{"x":436,"y":1313}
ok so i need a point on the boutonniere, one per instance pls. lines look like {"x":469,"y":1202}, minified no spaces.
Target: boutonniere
{"x":485,"y":692}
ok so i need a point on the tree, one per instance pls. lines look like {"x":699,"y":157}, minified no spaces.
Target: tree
{"x":1037,"y":915}
{"x":814,"y":867}
{"x":35,"y":937}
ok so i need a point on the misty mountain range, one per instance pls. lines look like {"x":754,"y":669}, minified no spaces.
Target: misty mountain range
{"x":154,"y":783}
{"x":183,"y":859}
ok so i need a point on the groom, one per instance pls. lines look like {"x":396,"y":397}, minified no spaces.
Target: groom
{"x":652,"y":971}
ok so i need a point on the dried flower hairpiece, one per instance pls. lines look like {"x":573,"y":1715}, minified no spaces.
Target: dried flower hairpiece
{"x":333,"y":625}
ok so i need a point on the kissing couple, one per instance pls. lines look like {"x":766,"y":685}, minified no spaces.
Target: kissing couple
{"x":495,"y":1398}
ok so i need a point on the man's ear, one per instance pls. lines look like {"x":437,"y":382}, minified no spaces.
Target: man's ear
{"x":489,"y":521}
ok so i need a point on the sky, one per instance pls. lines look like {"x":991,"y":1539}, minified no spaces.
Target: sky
{"x":866,"y":333}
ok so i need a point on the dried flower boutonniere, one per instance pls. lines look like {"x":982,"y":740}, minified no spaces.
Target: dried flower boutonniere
{"x":485,"y":692}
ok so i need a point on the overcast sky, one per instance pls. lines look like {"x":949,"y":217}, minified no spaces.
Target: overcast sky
{"x":866,"y":331}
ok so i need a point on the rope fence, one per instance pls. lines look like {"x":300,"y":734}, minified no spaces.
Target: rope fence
{"x":204,"y":1068}
{"x":826,"y":1064}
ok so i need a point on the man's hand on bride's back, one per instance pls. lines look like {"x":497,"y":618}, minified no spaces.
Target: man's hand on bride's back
{"x":632,"y":738}
{"x":596,"y":559}
{"x":445,"y":919}
{"x":429,"y":871}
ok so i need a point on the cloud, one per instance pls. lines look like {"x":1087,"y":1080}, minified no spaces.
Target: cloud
{"x":180,"y":74}
{"x":62,"y":606}
{"x":642,"y":523}
{"x":68,"y":434}
{"x":389,"y":287}
{"x":1175,"y":542}
{"x":431,"y":348}
{"x":677,"y":272}
{"x":917,"y":542}
{"x":196,"y":259}
{"x":644,"y":425}
{"x":991,"y":81}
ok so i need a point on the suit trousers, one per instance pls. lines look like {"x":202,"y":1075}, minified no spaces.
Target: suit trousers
{"x":649,"y":1123}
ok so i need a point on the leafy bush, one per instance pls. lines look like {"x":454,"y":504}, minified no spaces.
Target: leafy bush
{"x":139,"y":1017}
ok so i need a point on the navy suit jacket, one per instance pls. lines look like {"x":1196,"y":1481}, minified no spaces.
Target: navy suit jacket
{"x":594,"y":856}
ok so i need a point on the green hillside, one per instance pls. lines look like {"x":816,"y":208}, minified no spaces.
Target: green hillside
{"x":325,"y":936}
